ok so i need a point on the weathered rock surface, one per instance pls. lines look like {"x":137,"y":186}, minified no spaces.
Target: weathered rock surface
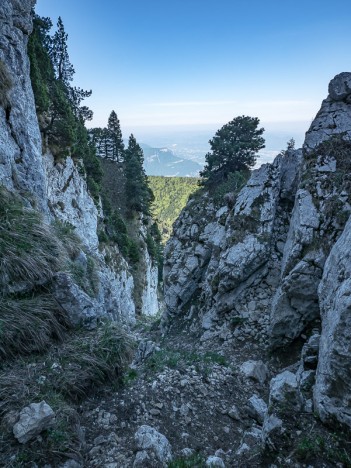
{"x":275,"y":260}
{"x":33,"y":420}
{"x":284,"y":392}
{"x":69,"y":200}
{"x":255,"y":370}
{"x":321,"y":209}
{"x":332,"y":393}
{"x":149,"y":440}
{"x":81,"y":309}
{"x":21,"y":166}
{"x":215,"y":461}
{"x":232,"y":250}
{"x":257,"y":408}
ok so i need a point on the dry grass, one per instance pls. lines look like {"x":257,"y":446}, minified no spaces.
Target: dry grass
{"x":29,"y":250}
{"x":29,"y":325}
{"x":68,"y":372}
{"x":92,"y":359}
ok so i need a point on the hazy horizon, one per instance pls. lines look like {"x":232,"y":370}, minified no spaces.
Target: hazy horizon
{"x":200,"y":63}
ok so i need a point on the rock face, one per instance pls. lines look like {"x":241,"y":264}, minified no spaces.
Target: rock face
{"x":21,"y":166}
{"x":332,"y":392}
{"x":321,"y":209}
{"x":276,"y":259}
{"x":228,"y":257}
{"x":69,"y":200}
{"x":57,"y":188}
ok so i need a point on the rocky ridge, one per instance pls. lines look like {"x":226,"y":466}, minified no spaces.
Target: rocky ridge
{"x":266,"y":264}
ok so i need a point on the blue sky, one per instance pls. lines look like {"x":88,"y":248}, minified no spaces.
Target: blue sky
{"x":202,"y":62}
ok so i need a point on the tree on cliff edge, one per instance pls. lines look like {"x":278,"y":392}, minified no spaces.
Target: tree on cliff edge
{"x":139,"y":195}
{"x":233,"y":148}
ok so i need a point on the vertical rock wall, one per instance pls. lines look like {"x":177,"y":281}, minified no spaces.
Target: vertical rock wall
{"x":21,"y":166}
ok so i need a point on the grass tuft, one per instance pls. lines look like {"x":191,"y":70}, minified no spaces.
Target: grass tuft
{"x":29,"y":250}
{"x":29,"y":325}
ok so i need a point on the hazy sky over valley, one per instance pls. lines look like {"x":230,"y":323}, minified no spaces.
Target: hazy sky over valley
{"x":201,"y":63}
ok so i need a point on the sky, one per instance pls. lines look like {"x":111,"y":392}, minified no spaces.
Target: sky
{"x":164,"y":64}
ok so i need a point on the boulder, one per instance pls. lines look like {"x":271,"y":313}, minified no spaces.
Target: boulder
{"x":257,"y":408}
{"x":255,"y":370}
{"x":284,"y":393}
{"x":215,"y":461}
{"x":149,"y":440}
{"x":33,"y":419}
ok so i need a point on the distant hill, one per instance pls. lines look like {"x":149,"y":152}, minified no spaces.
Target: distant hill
{"x":163,"y":162}
{"x":171,"y":196}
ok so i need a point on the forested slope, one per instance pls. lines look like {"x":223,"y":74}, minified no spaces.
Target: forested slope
{"x":171,"y":195}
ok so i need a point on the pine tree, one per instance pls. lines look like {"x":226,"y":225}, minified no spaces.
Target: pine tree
{"x":138,"y":193}
{"x":63,"y":68}
{"x":116,"y":145}
{"x":233,"y":148}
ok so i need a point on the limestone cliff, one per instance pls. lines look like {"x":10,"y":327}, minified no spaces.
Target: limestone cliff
{"x":274,"y":260}
{"x":21,"y":164}
{"x":58,"y":188}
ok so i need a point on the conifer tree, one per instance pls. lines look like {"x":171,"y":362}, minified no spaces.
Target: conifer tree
{"x":233,"y":148}
{"x":63,"y":68}
{"x":116,"y":145}
{"x":138,"y":193}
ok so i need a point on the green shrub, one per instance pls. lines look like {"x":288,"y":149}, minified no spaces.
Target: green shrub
{"x":233,"y":184}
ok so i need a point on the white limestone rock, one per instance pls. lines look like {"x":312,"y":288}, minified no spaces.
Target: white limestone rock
{"x":215,"y":461}
{"x":33,"y":419}
{"x":148,"y":439}
{"x":284,"y":393}
{"x":255,"y":370}
{"x":332,"y":391}
{"x":21,"y":165}
{"x":257,"y":408}
{"x":69,"y":199}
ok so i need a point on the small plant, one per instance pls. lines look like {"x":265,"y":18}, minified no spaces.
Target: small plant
{"x":192,"y":461}
{"x":129,"y":376}
{"x":175,"y":359}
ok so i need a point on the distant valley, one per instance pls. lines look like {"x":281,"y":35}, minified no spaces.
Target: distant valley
{"x":163,"y":162}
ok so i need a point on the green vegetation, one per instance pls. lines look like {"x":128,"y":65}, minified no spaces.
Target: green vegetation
{"x":176,"y":359}
{"x":171,"y":195}
{"x":109,"y":141}
{"x":228,"y":190}
{"x":233,"y":148}
{"x":5,"y":84}
{"x":327,"y":449}
{"x":60,"y":113}
{"x":30,"y":250}
{"x":138,"y":193}
{"x":192,"y":461}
